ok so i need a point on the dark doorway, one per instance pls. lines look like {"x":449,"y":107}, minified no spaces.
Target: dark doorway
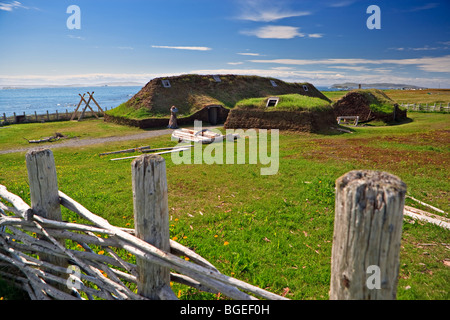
{"x":213,"y":114}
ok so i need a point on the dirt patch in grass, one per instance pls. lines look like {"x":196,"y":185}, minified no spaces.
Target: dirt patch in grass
{"x":366,"y":151}
{"x":436,"y":138}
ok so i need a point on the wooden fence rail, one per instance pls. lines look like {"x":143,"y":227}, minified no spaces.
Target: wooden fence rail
{"x":46,"y":117}
{"x":53,"y":259}
{"x":425,"y":107}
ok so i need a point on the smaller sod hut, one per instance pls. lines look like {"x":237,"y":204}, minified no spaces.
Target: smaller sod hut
{"x":292,"y":112}
{"x":369,"y":105}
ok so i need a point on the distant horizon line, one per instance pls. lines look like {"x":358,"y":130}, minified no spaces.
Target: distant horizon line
{"x":137,"y":84}
{"x":36,"y":86}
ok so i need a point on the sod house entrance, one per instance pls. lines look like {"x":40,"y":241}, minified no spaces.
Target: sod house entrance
{"x":213,"y":114}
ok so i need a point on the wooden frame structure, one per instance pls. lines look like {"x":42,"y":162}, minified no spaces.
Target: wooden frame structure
{"x":91,"y":98}
{"x":347,"y":119}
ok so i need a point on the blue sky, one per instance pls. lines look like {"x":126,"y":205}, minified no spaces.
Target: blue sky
{"x":322,"y":42}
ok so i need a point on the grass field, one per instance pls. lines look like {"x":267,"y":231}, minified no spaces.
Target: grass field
{"x":12,"y":137}
{"x":274,"y":231}
{"x":404,"y":96}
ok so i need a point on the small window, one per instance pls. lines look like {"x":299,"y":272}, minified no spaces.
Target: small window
{"x":305,"y":87}
{"x":273,"y":83}
{"x":272,"y":101}
{"x":166,"y":83}
{"x":217,"y":78}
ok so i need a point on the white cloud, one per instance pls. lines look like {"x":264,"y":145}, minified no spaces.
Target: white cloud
{"x":276,"y":73}
{"x":351,"y":68}
{"x":248,"y":54}
{"x":319,"y":77}
{"x":275,"y":32}
{"x":424,"y":48}
{"x":282,"y":68}
{"x":311,"y":62}
{"x":273,"y":15}
{"x":431,"y":64}
{"x":76,"y":37}
{"x":266,"y":11}
{"x":315,"y":35}
{"x":425,"y":7}
{"x":85,"y":79}
{"x":11,"y":6}
{"x":234,"y":63}
{"x":183,"y":48}
{"x":341,"y":4}
{"x":327,"y":77}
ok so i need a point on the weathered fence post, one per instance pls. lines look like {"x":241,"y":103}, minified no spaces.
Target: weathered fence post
{"x":151,"y":219}
{"x":44,"y":191}
{"x":367,"y":235}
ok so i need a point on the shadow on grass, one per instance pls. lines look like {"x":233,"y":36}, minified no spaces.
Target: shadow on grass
{"x":387,"y":124}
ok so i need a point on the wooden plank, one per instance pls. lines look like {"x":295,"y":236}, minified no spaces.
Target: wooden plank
{"x":427,"y":205}
{"x":125,"y":151}
{"x":84,"y":110}
{"x":427,"y":217}
{"x":157,"y":153}
{"x":97,"y":103}
{"x":184,"y":147}
{"x":91,"y":97}
{"x":76,"y":110}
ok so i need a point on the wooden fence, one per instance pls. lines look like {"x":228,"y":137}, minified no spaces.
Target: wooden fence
{"x":425,"y":107}
{"x":47,"y":117}
{"x":53,"y":259}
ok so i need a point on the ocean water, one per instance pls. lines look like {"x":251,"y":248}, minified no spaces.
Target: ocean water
{"x":61,"y":98}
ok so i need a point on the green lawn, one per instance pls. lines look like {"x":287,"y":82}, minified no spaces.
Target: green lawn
{"x":12,"y":136}
{"x":273,"y":231}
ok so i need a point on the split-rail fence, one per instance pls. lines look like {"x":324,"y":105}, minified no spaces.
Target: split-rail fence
{"x":53,"y":259}
{"x":425,"y":107}
{"x":47,"y":117}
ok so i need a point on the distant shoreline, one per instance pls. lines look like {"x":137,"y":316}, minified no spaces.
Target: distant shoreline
{"x":125,"y":84}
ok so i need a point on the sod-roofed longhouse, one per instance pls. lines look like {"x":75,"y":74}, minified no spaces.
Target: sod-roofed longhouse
{"x":369,"y":105}
{"x":293,"y":112}
{"x":204,"y":97}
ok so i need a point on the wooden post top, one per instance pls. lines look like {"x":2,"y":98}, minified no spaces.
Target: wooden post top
{"x":371,"y":178}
